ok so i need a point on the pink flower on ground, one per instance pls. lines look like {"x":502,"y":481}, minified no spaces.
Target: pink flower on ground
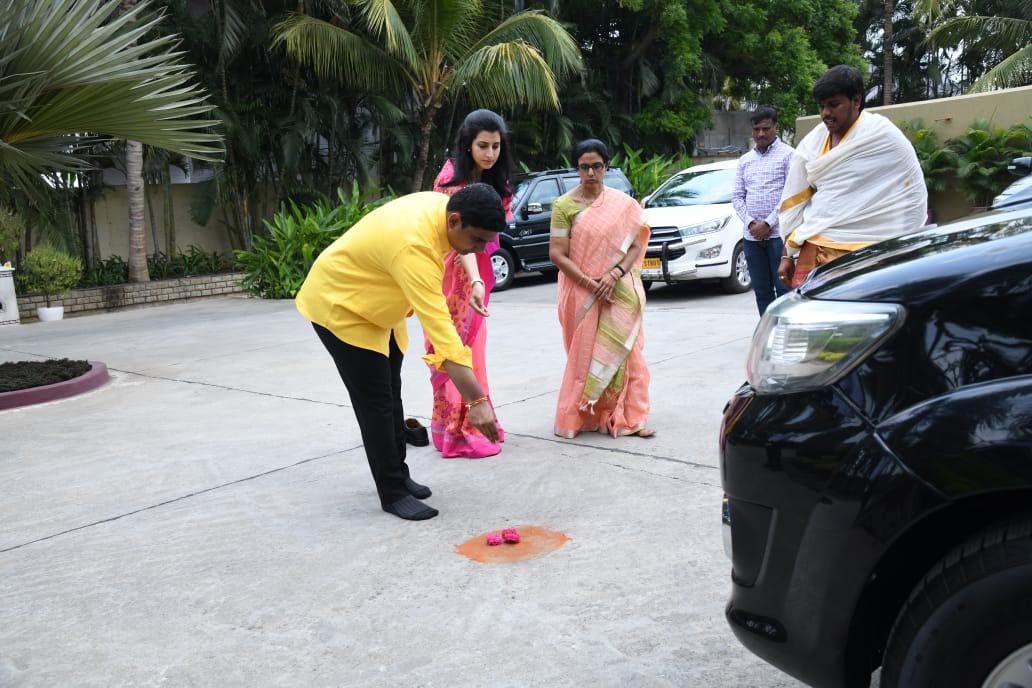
{"x":494,"y":539}
{"x":511,"y":535}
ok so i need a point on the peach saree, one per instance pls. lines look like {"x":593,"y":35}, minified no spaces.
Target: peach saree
{"x":605,"y":386}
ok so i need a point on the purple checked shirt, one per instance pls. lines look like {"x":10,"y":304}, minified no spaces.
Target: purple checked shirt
{"x":759,"y":181}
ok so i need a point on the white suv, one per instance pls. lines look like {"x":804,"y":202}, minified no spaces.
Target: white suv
{"x":695,"y":231}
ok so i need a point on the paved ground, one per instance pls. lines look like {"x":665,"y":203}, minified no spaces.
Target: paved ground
{"x":207,"y":518}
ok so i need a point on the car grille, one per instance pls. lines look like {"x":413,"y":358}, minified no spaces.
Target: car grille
{"x":660,"y":237}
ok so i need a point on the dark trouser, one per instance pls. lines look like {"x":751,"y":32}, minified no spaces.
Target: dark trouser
{"x":762,"y":257}
{"x":374,"y":385}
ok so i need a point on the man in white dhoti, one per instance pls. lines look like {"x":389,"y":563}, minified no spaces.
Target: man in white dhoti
{"x":851,"y":183}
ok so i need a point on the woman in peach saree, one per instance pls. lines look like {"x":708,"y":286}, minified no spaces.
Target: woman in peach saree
{"x":598,"y":242}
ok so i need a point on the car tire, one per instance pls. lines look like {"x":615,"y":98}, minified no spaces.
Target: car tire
{"x":968,"y":623}
{"x":739,"y":281}
{"x":504,"y":268}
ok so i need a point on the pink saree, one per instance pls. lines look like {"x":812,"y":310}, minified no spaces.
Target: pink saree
{"x":606,"y":383}
{"x":450,"y":429}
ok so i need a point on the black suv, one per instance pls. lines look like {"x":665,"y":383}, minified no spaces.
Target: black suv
{"x":525,"y":242}
{"x":878,"y":466}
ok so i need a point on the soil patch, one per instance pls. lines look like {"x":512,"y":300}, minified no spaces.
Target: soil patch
{"x":28,"y":374}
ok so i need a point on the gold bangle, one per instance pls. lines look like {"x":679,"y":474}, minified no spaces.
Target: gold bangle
{"x":471,"y":404}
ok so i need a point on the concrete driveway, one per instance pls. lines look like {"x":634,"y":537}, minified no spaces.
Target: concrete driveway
{"x":207,"y":518}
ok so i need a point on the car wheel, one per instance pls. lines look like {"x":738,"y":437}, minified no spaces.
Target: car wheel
{"x":504,"y":268}
{"x":739,"y":281}
{"x":969,"y":622}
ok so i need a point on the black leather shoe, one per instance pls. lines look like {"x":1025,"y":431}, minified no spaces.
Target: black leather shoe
{"x":415,"y":433}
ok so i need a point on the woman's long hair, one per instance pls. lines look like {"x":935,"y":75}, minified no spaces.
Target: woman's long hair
{"x":499,"y":176}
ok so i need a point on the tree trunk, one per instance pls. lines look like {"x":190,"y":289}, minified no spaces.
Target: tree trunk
{"x":170,"y":212}
{"x":425,"y":129}
{"x":135,"y":189}
{"x":888,"y":39}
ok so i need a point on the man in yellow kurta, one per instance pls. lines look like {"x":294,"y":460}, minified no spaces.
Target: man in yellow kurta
{"x":358,"y":294}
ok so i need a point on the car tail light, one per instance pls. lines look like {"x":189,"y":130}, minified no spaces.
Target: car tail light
{"x":802,"y":344}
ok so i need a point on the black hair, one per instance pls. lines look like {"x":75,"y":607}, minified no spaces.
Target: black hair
{"x":590,"y":146}
{"x":840,"y":80}
{"x":763,"y":112}
{"x":500,"y":175}
{"x":479,"y":205}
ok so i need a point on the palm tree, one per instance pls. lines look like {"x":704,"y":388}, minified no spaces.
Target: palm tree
{"x":428,"y":51}
{"x":136,"y":198}
{"x":1007,"y":38}
{"x":73,"y":71}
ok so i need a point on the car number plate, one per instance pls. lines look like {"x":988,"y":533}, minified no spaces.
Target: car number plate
{"x":651,"y":264}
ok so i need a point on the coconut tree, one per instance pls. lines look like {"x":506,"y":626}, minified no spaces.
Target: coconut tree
{"x":75,"y":71}
{"x":429,"y":51}
{"x":1005,"y":38}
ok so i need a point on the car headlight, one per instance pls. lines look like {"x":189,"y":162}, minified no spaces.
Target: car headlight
{"x":703,"y":227}
{"x":802,"y":344}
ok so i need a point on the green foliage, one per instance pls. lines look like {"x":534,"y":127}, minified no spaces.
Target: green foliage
{"x":647,"y":173}
{"x":67,"y":70}
{"x":277,"y":264}
{"x":51,"y":272}
{"x":983,"y":153}
{"x":938,"y":163}
{"x":114,"y":270}
{"x":11,"y":230}
{"x":196,"y":261}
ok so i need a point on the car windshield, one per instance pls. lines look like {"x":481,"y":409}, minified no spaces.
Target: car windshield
{"x":521,"y":188}
{"x":695,"y":188}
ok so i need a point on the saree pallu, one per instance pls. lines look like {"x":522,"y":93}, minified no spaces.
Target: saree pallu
{"x":605,"y":385}
{"x":450,"y":430}
{"x":452,"y":433}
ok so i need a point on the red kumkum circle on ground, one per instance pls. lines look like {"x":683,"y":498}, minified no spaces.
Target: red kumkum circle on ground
{"x":534,"y":542}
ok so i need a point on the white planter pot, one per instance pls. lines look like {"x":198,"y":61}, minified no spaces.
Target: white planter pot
{"x":50,"y":314}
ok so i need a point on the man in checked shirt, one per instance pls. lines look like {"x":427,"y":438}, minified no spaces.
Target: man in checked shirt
{"x":759,"y":181}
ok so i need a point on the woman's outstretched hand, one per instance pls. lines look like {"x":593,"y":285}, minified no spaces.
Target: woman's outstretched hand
{"x":476,"y":299}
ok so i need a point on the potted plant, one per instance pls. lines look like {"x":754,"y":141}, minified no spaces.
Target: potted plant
{"x":51,"y":272}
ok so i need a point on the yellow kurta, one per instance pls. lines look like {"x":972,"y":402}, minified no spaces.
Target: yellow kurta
{"x":388,"y":265}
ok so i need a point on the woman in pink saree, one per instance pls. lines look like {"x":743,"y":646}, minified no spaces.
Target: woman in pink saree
{"x":598,"y":242}
{"x":481,"y":155}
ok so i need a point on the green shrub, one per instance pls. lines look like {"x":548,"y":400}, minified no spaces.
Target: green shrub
{"x":11,"y":229}
{"x":646,"y":173}
{"x":114,"y":270}
{"x":196,"y":261}
{"x":277,"y":264}
{"x":51,"y":272}
{"x":983,"y":153}
{"x":938,"y":163}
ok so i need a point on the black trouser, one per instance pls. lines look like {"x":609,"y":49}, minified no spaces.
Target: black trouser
{"x":374,"y":385}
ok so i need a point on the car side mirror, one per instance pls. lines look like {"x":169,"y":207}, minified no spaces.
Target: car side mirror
{"x":1021,"y":166}
{"x":534,"y":209}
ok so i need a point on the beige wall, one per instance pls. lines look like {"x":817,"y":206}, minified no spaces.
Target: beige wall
{"x":113,"y":223}
{"x":950,"y":117}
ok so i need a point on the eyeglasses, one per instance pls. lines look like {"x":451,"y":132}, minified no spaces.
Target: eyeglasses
{"x":593,"y":167}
